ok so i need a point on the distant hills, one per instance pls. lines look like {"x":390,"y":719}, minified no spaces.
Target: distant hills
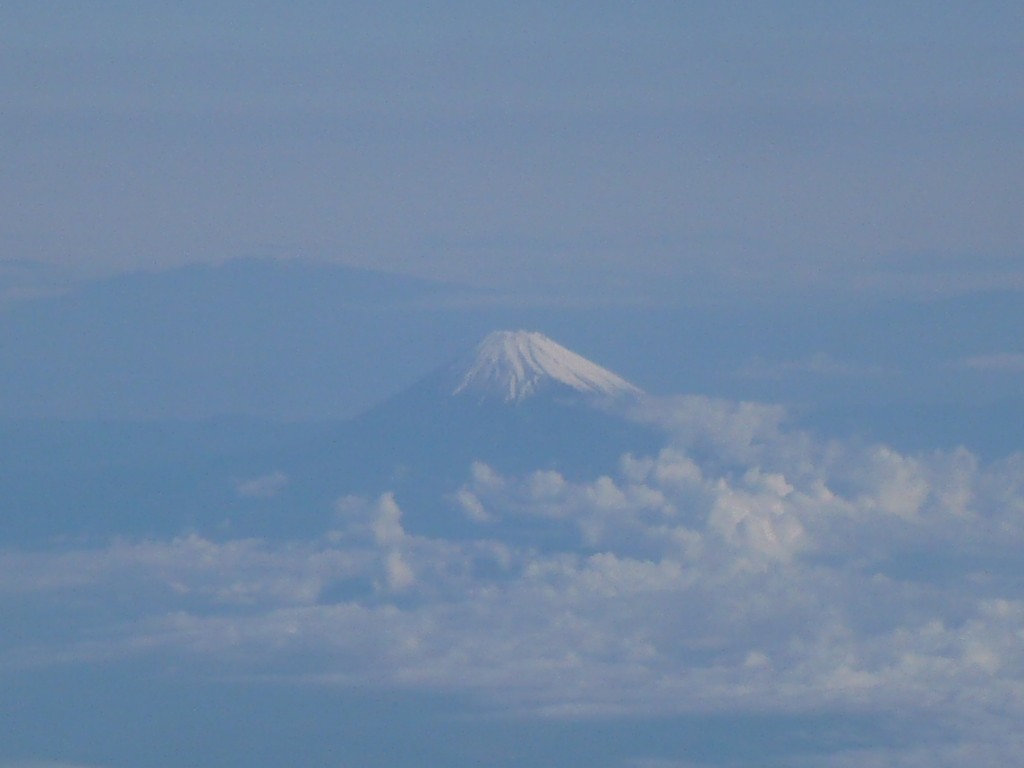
{"x":253,"y":353}
{"x":274,"y":338}
{"x":303,"y":340}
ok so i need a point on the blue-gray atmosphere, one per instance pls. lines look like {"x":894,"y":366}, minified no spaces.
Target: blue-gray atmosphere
{"x":548,"y":384}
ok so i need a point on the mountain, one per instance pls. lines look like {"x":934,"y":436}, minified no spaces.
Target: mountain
{"x":293,"y":340}
{"x":282,"y":339}
{"x":512,"y":366}
{"x":518,"y":401}
{"x":510,"y":382}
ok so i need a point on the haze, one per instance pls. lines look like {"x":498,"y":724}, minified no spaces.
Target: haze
{"x":538,"y":385}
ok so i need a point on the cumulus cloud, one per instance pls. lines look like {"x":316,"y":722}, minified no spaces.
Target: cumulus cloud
{"x":745,"y":565}
{"x":471,"y":506}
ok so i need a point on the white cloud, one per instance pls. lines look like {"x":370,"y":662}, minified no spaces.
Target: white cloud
{"x":386,"y":523}
{"x":189,"y":567}
{"x":399,"y":575}
{"x":471,"y":505}
{"x":744,"y":566}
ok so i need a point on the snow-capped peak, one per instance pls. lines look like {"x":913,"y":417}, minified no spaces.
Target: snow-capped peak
{"x":514,"y":365}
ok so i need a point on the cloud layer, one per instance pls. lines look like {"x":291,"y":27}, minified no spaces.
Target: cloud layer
{"x":744,"y":567}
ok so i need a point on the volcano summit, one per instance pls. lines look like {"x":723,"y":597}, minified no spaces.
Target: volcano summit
{"x":512,"y":366}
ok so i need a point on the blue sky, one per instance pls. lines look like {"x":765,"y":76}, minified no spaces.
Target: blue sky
{"x":735,"y":147}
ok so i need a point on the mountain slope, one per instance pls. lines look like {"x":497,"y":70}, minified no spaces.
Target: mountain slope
{"x":514,"y":365}
{"x":517,"y":402}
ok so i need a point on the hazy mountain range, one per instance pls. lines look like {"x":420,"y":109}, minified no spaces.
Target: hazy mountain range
{"x":152,"y":396}
{"x":518,"y":400}
{"x":309,"y":341}
{"x":563,"y":531}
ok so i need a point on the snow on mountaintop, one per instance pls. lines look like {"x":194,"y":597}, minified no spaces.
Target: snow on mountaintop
{"x":514,"y":365}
